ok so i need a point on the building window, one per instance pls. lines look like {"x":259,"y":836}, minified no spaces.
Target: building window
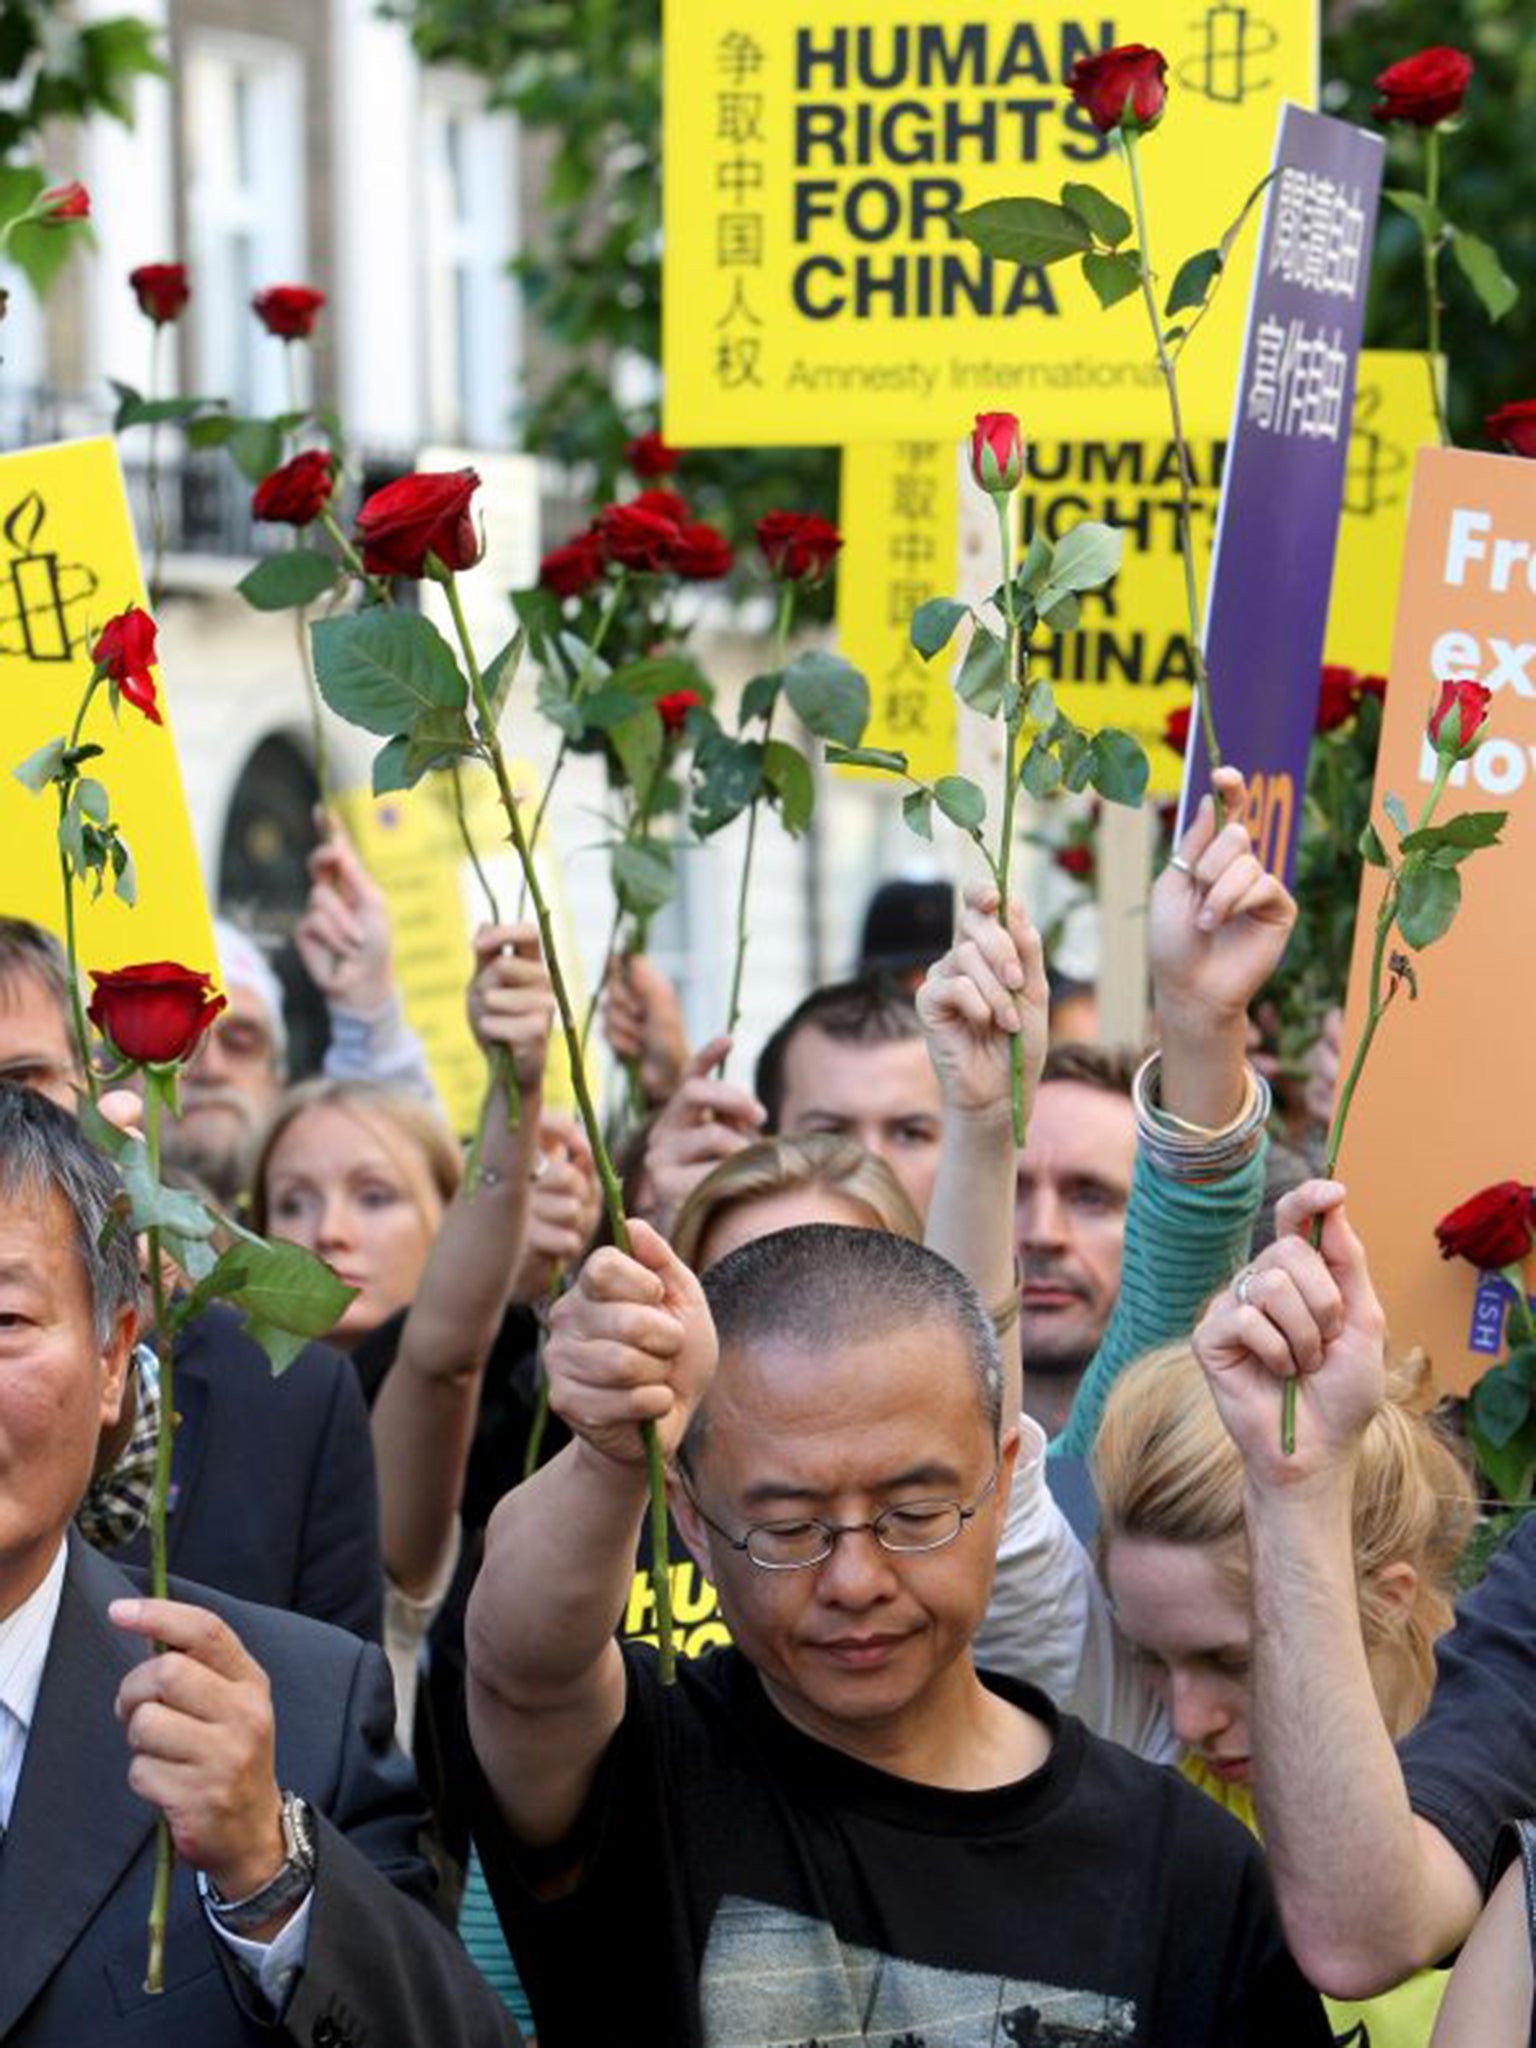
{"x":472,"y":339}
{"x":244,"y":129}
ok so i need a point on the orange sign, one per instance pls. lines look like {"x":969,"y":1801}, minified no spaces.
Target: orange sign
{"x":1446,"y":1106}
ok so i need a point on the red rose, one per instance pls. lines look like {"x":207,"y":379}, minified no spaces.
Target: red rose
{"x":797,"y":546}
{"x":675,"y":707}
{"x":997,"y":453}
{"x":1339,"y":697}
{"x":154,"y":1014}
{"x":125,"y":654}
{"x":162,"y":290}
{"x":648,"y":455}
{"x":1176,"y":731}
{"x":1076,"y":861}
{"x":1457,"y":719}
{"x":417,"y":516}
{"x":1492,"y":1228}
{"x":665,"y":504}
{"x":1372,"y":686}
{"x":1425,"y":89}
{"x":573,"y":569}
{"x":702,"y":554}
{"x":1121,"y":88}
{"x":61,"y":204}
{"x":299,"y":492}
{"x":637,"y":537}
{"x":288,"y":310}
{"x":1515,"y":426}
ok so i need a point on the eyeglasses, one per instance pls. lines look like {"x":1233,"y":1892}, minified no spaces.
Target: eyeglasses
{"x":799,"y":1546}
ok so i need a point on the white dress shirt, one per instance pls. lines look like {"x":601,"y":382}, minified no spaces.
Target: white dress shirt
{"x":26,"y":1635}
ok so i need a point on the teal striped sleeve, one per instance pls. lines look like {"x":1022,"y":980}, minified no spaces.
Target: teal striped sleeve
{"x":1181,"y":1244}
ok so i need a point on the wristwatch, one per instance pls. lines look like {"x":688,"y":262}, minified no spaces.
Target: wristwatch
{"x":280,"y":1894}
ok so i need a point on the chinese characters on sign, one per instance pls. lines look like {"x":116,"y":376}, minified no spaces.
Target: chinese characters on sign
{"x":1316,"y":243}
{"x":737,"y":189}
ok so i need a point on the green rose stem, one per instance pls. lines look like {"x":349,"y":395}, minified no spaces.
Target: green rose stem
{"x":158,"y":1082}
{"x":1165,"y":363}
{"x":578,"y":691}
{"x":613,"y":1196}
{"x":66,"y":872}
{"x":1380,"y":1003}
{"x":316,"y":710}
{"x":1431,"y":242}
{"x":781,"y":646}
{"x":503,"y":1066}
{"x":152,"y":475}
{"x":377,"y":587}
{"x":1013,"y":718}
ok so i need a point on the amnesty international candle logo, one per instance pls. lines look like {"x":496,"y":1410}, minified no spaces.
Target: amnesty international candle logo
{"x":815,"y":288}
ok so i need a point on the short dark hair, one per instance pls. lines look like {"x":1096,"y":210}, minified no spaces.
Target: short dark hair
{"x":43,"y":1151}
{"x":871,"y":1009}
{"x":28,"y":948}
{"x":1109,"y":1068}
{"x":823,"y":1284}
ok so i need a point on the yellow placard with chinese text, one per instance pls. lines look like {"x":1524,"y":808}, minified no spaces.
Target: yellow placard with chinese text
{"x":897,"y":507}
{"x":410,"y":843}
{"x":1394,"y":418}
{"x":68,"y":563}
{"x":814,"y":288}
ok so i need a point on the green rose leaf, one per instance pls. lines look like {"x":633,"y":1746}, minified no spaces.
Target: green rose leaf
{"x":1036,"y":565}
{"x":1427,"y":902}
{"x":1063,"y":612}
{"x":960,"y":801}
{"x":788,"y":775}
{"x":1086,"y":558}
{"x":1112,"y":278}
{"x":1119,"y":767}
{"x":134,"y":411}
{"x":760,"y":696}
{"x":829,"y":696}
{"x":1040,"y":705}
{"x":256,"y":447}
{"x":389,"y":770}
{"x":1371,"y":848}
{"x":289,"y":1296}
{"x":933,"y":624}
{"x":539,"y":614}
{"x":1040,"y":774}
{"x":1480,"y":266}
{"x":383,"y":669}
{"x":553,"y":697}
{"x":1110,"y":223}
{"x":728,"y":775}
{"x":148,"y":1203}
{"x":212,"y":430}
{"x":501,"y":672}
{"x":1467,"y":832}
{"x":1397,"y":812}
{"x":886,"y":759}
{"x":643,"y":878}
{"x":1025,"y":230}
{"x":125,"y":876}
{"x":295,"y":577}
{"x":917,"y":811}
{"x":639,"y":742}
{"x":39,"y":769}
{"x":1429,"y":220}
{"x":1195,"y":276}
{"x":1501,"y":1406}
{"x":983,"y":673}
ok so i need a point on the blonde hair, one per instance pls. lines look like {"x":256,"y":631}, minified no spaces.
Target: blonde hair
{"x":775,"y":1166}
{"x":1165,"y":1468}
{"x":417,"y":1122}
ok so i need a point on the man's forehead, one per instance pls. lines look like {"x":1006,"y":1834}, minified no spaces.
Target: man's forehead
{"x":29,"y":1010}
{"x":916,"y":1381}
{"x":894,"y":1075}
{"x":1076,"y":1128}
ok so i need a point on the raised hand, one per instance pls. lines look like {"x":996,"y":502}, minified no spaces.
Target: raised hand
{"x":1311,"y":1313}
{"x":510,"y":1000}
{"x":706,"y":1121}
{"x":643,"y":1020}
{"x":631,"y":1342}
{"x":989,"y":987}
{"x":564,"y":1202}
{"x":344,"y":935}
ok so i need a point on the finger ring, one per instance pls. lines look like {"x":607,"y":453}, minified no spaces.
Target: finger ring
{"x":1241,"y":1285}
{"x":542,"y":1167}
{"x":1177,"y":860}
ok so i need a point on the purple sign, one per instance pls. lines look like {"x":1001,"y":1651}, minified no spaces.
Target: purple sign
{"x":1272,"y":568}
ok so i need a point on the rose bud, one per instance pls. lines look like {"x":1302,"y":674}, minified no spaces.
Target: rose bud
{"x":299,"y":492}
{"x":571,"y":570}
{"x":1515,"y":426}
{"x":61,"y":204}
{"x":417,"y":516}
{"x":997,"y":453}
{"x":1424,"y":89}
{"x":162,"y":291}
{"x":153,"y":1014}
{"x":1338,"y":699}
{"x":702,"y":554}
{"x":1176,"y":731}
{"x":1492,"y":1228}
{"x":125,"y":653}
{"x":288,"y":310}
{"x":1121,"y":88}
{"x":1457,"y":719}
{"x":675,"y":707}
{"x":797,"y":546}
{"x":648,"y":455}
{"x":637,"y":538}
{"x":1076,"y":861}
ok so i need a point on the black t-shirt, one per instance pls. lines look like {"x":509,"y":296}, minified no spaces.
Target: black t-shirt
{"x":746,"y":1887}
{"x":1471,"y":1762}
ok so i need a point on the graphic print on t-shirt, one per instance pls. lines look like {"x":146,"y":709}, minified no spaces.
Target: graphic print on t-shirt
{"x":773,"y":1978}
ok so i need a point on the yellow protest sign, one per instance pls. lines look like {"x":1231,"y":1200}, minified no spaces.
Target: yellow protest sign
{"x":897,"y":507}
{"x":410,"y":843}
{"x":68,"y":563}
{"x":814,"y":289}
{"x":1394,"y":418}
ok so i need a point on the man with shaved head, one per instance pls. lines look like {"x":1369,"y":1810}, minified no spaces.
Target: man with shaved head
{"x":837,"y":1829}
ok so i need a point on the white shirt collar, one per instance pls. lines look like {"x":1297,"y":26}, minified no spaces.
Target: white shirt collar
{"x":25,"y":1636}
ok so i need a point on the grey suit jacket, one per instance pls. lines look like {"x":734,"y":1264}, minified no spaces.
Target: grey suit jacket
{"x":76,"y":1865}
